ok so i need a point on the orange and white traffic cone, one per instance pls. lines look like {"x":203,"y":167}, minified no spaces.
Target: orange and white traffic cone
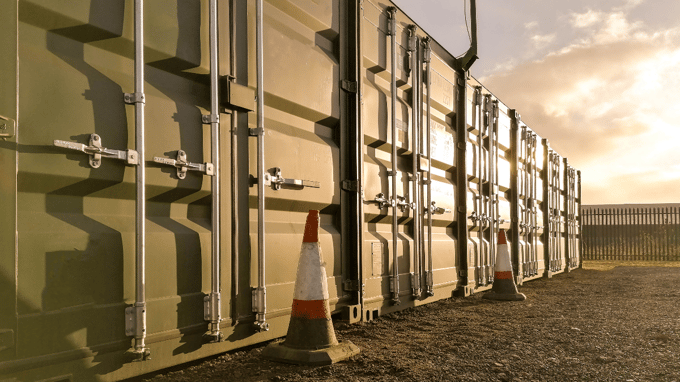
{"x":504,"y":287}
{"x":311,"y":338}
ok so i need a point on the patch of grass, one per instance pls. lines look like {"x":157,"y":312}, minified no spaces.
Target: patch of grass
{"x":605,"y":265}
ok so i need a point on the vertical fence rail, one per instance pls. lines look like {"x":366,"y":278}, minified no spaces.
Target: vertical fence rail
{"x":650,"y":233}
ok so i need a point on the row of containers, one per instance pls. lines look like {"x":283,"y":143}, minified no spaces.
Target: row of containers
{"x":157,"y":168}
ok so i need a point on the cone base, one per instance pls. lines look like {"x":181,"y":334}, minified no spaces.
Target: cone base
{"x":505,"y":296}
{"x":277,"y":351}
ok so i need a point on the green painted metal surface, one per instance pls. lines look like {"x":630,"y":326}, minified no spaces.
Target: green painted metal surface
{"x":67,"y":270}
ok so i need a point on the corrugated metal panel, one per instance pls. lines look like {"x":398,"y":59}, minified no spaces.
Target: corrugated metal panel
{"x":74,"y":268}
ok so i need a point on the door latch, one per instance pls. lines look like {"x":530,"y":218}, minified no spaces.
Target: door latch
{"x":182,"y":165}
{"x":274,"y":179}
{"x":97,"y":152}
{"x":439,"y":210}
{"x":7,"y":127}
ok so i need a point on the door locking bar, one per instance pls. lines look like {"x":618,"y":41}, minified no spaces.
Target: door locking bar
{"x":274,"y":179}
{"x":382,"y":201}
{"x":182,"y":165}
{"x":438,"y":210}
{"x":97,"y":152}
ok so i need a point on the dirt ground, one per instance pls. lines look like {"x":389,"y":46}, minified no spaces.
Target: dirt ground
{"x":621,"y":324}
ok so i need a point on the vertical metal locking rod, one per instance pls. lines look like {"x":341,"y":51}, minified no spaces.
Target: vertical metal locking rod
{"x":261,"y":323}
{"x":415,"y":145}
{"x":419,"y":127}
{"x":580,"y":218}
{"x":215,"y":304}
{"x":234,"y":169}
{"x":140,"y":174}
{"x":480,"y":179}
{"x":526,"y":262}
{"x":493,"y":201}
{"x":428,"y":123}
{"x":392,"y":13}
{"x":534,"y":203}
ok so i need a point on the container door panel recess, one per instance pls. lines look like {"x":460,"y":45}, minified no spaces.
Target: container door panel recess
{"x":299,"y":126}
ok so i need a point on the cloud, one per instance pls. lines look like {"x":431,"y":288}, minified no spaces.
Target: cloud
{"x":531,"y":25}
{"x":583,"y":20}
{"x":541,"y":41}
{"x":606,"y":100}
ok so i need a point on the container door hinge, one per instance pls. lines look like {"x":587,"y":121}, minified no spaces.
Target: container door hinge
{"x":96,"y":151}
{"x":7,"y":127}
{"x":274,"y":179}
{"x":349,"y":86}
{"x":182,"y":165}
{"x":351,"y":285}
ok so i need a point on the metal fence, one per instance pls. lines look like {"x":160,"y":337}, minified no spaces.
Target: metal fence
{"x":631,"y":233}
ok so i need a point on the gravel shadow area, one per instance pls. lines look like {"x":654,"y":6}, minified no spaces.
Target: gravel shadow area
{"x":587,"y":325}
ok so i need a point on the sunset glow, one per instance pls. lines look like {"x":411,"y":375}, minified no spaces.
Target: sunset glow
{"x":599,"y":79}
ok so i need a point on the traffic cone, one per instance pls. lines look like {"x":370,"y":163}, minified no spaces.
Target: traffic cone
{"x":504,"y":287}
{"x":311,"y":338}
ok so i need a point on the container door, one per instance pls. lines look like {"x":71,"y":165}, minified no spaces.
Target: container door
{"x":8,"y":179}
{"x":482,"y":187}
{"x":572,"y":226}
{"x":382,"y":267}
{"x":76,"y":220}
{"x":301,"y":145}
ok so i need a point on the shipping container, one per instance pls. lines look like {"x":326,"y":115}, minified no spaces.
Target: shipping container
{"x":155,"y":177}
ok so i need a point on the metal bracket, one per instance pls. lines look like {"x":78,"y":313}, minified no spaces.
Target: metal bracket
{"x":351,"y":285}
{"x":382,"y":201}
{"x":274,"y":179}
{"x":133,"y":98}
{"x":412,"y":38}
{"x":7,"y":127}
{"x":427,"y":52}
{"x":403,"y":205}
{"x":391,"y":26}
{"x":182,"y":165}
{"x":439,"y":210}
{"x":258,"y":298}
{"x":349,"y":86}
{"x":210,"y":118}
{"x":254,"y":132}
{"x":96,"y":151}
{"x":350,"y":185}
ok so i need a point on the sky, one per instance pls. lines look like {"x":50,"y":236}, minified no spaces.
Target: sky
{"x":599,"y":78}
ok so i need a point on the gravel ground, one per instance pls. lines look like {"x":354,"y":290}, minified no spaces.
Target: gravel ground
{"x":621,"y":324}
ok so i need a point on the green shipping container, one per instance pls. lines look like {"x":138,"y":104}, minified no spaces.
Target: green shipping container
{"x":109,"y":246}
